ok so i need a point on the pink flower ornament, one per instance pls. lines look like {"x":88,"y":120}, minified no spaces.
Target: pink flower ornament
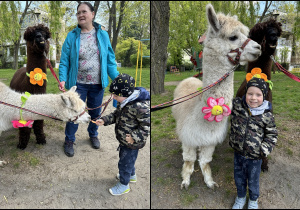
{"x":22,"y":123}
{"x":216,"y":110}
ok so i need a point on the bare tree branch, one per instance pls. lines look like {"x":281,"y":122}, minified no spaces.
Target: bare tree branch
{"x":267,"y":6}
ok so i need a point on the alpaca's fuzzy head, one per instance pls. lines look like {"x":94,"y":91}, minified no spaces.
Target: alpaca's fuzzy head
{"x":74,"y":107}
{"x":226,"y":33}
{"x":269,"y":31}
{"x":37,"y":38}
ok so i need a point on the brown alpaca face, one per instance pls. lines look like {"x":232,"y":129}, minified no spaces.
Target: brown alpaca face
{"x":37,"y":38}
{"x":272,"y":36}
{"x":40,"y":40}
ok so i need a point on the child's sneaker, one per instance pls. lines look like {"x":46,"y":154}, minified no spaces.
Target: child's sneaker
{"x":252,"y":204}
{"x":119,"y":189}
{"x":133,"y":178}
{"x":239,"y":203}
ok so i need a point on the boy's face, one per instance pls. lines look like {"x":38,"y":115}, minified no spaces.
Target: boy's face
{"x":254,"y":97}
{"x":119,"y":98}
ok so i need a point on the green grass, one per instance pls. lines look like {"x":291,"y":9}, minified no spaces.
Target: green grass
{"x":52,"y":85}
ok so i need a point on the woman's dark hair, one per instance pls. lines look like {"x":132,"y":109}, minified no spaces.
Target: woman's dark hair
{"x":88,"y":4}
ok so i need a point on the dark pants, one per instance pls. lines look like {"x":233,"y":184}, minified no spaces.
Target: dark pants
{"x":94,"y":95}
{"x":246,"y":169}
{"x":126,"y":163}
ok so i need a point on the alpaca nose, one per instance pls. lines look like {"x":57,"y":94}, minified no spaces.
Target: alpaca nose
{"x":257,"y":47}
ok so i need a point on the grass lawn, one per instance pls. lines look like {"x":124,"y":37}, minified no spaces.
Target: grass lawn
{"x":7,"y":74}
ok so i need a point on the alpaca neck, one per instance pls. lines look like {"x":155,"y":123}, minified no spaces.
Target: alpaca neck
{"x":214,"y":67}
{"x":40,"y":104}
{"x":264,"y":62}
{"x":36,"y":60}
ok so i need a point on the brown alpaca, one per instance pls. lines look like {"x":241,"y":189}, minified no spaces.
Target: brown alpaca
{"x":266,"y":34}
{"x":37,"y":43}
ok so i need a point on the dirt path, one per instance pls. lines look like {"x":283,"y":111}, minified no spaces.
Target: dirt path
{"x":44,"y":177}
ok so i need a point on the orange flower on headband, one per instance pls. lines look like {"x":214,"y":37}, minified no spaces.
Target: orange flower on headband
{"x":256,"y":72}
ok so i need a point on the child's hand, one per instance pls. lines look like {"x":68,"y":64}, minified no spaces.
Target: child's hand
{"x":129,"y":139}
{"x":98,"y":122}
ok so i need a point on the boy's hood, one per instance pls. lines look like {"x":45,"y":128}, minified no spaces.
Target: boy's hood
{"x":144,"y":94}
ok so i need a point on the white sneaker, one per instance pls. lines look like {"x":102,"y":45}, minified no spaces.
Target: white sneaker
{"x":239,"y":203}
{"x":252,"y":204}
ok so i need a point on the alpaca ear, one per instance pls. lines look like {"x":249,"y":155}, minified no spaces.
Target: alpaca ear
{"x":235,"y":17}
{"x":73,"y":89}
{"x":28,"y":34}
{"x":212,"y":18}
{"x":66,"y":100}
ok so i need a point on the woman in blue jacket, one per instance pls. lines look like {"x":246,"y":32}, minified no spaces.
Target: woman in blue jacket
{"x":87,"y":59}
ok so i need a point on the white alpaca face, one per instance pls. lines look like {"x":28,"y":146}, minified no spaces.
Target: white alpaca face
{"x":226,"y":33}
{"x":84,"y":118}
{"x":75,"y":107}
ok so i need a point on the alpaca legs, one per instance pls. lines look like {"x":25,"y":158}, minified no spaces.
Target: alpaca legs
{"x":24,"y":135}
{"x":189,"y":157}
{"x":205,"y":156}
{"x":264,"y":165}
{"x":38,"y":126}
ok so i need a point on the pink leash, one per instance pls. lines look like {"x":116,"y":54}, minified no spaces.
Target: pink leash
{"x":294,"y":77}
{"x":54,"y":74}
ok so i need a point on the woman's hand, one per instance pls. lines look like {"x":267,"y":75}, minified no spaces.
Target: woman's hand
{"x":62,"y":86}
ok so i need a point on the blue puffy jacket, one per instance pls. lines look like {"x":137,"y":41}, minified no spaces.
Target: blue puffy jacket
{"x":68,"y":66}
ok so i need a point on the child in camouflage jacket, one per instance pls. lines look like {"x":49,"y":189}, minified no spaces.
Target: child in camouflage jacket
{"x":132,"y":127}
{"x":253,"y":135}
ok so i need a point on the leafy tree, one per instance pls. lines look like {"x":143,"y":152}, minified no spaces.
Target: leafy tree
{"x":9,"y":17}
{"x":188,"y":22}
{"x":136,"y":21}
{"x":127,"y":50}
{"x":12,"y":18}
{"x":284,"y":54}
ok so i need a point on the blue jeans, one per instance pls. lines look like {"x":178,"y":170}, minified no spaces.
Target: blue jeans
{"x":94,"y":95}
{"x":126,"y":163}
{"x":246,"y":169}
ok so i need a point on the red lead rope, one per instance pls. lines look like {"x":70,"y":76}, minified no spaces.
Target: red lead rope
{"x":285,"y":71}
{"x":53,"y":73}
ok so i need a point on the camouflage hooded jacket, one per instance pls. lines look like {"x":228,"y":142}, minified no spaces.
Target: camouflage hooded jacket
{"x":252,"y":136}
{"x":133,"y":119}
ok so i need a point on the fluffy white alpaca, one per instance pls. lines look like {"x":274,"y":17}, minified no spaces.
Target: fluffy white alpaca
{"x":65,"y":106}
{"x":224,"y":34}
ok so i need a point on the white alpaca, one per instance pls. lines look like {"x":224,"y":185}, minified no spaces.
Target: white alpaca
{"x":65,"y":106}
{"x":224,"y":34}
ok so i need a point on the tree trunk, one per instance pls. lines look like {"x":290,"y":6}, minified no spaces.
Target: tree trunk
{"x":160,"y":15}
{"x":96,"y":6}
{"x":17,"y":42}
{"x":110,"y":20}
{"x":16,"y":56}
{"x":117,"y":28}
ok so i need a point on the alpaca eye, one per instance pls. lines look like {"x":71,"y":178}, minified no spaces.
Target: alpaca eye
{"x":233,"y":38}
